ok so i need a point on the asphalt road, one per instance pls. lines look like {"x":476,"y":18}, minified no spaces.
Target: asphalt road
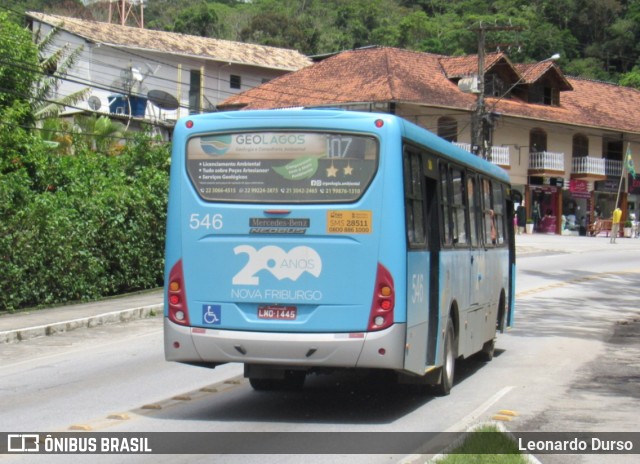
{"x":570,"y":364}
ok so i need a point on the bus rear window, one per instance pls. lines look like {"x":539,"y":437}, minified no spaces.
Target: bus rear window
{"x":282,"y":167}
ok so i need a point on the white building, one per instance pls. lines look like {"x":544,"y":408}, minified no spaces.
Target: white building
{"x":152,"y":76}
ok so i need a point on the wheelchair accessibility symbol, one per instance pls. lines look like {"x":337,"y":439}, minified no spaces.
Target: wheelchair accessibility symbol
{"x":211,"y":314}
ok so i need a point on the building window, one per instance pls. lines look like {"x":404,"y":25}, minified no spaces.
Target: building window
{"x":537,"y":141}
{"x":612,"y":149}
{"x":448,"y":129}
{"x":580,"y":146}
{"x":544,"y":95}
{"x":235,"y":81}
{"x":195,"y":88}
{"x":494,"y":86}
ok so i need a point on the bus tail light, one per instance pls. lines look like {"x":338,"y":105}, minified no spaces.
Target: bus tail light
{"x":384,"y":300}
{"x":177,"y":297}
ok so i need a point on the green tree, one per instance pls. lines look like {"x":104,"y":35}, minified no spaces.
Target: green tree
{"x":631,"y":78}
{"x":540,"y":41}
{"x":359,"y":20}
{"x":590,"y":68}
{"x":99,"y":133}
{"x":621,"y":43}
{"x":57,"y":133}
{"x":52,"y":68}
{"x":281,"y":25}
{"x":18,"y":72}
{"x":18,"y":63}
{"x":201,"y":19}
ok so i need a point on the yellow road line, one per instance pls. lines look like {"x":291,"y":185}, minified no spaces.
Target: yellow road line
{"x":577,"y":280}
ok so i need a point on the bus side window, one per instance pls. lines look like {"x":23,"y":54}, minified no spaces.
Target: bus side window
{"x":447,"y":236}
{"x":458,"y":207}
{"x":490,"y":230}
{"x":499,"y":210}
{"x":414,"y":199}
{"x":474,"y":210}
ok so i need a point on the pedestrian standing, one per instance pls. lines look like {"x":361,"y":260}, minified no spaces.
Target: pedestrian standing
{"x":536,"y":215}
{"x":615,"y":224}
{"x":521,"y":218}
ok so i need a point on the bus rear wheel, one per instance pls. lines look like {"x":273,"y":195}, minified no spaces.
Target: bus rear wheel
{"x":449,"y":361}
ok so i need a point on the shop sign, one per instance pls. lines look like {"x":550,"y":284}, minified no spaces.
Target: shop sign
{"x":634,"y":185}
{"x":579,"y":188}
{"x":609,"y":185}
{"x":543,"y":188}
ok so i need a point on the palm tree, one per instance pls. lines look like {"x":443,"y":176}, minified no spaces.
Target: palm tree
{"x":101,"y":134}
{"x":54,"y":67}
{"x":56,"y":133}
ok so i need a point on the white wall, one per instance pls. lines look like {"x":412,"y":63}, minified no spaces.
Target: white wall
{"x":101,"y":66}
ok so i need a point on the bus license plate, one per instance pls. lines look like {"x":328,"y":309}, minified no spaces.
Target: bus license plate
{"x":286,"y":313}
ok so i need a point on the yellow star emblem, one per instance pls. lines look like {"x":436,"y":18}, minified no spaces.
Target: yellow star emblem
{"x":348,"y":170}
{"x":332,"y":171}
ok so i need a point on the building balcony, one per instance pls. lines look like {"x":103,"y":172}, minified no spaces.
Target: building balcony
{"x":546,"y":164}
{"x":499,"y":155}
{"x":588,"y":169}
{"x":551,"y":164}
{"x":613,"y":168}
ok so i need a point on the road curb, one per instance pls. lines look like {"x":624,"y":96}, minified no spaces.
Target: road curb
{"x":113,"y":317}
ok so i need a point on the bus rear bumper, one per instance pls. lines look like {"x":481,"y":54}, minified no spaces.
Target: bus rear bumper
{"x":382,"y":350}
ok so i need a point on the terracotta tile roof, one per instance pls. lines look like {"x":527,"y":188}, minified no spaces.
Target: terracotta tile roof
{"x":178,"y":44}
{"x":531,"y":72}
{"x":364,"y":75}
{"x":460,"y":66}
{"x":390,"y":74}
{"x":590,"y":104}
{"x":599,"y":104}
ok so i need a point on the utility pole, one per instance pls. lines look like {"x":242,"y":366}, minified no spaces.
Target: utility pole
{"x":481,"y":122}
{"x":477,"y":120}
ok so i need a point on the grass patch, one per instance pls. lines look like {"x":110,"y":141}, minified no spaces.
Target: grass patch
{"x":485,"y":445}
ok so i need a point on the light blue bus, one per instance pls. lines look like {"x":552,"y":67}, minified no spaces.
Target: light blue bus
{"x":305,"y":241}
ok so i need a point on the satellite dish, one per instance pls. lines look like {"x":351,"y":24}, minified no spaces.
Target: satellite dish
{"x":94,"y":103}
{"x":163,"y":100}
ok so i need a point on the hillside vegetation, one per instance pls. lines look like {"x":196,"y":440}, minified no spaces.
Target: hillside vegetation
{"x":596,"y":38}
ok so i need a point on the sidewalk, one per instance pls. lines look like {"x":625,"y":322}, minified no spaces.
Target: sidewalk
{"x":40,"y":322}
{"x":37,"y":323}
{"x":545,"y":243}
